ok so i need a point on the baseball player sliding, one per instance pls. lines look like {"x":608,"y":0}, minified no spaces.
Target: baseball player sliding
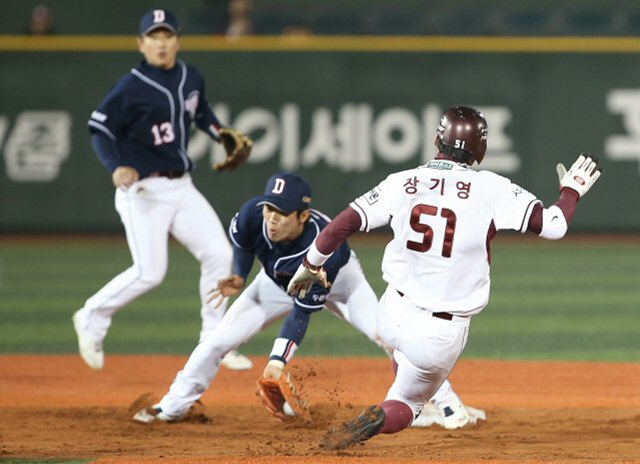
{"x":140,"y":133}
{"x":443,"y":216}
{"x":278,"y":228}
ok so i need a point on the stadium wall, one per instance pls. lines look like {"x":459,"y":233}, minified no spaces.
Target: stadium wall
{"x":343,"y":111}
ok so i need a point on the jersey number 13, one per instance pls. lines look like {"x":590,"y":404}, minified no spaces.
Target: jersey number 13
{"x":162,"y":133}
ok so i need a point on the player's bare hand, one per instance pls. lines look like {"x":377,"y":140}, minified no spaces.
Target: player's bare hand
{"x":582,"y":174}
{"x":124,"y":177}
{"x":305,"y":277}
{"x":273,"y":370}
{"x":230,"y":286}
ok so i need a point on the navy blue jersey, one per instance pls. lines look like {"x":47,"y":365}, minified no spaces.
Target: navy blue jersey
{"x":148,"y":114}
{"x":280,"y":260}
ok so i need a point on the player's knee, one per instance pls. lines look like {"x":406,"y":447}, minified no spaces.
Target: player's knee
{"x":219,"y":257}
{"x":218,"y":344}
{"x":151,"y":277}
{"x":226,"y":344}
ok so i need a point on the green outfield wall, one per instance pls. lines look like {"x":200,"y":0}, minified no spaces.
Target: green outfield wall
{"x":344,"y":112}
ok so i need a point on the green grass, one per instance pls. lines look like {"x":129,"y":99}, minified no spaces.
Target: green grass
{"x":569,"y":300}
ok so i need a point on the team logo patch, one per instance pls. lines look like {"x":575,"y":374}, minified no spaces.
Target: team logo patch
{"x":100,"y":117}
{"x":191,"y":104}
{"x":372,"y":196}
{"x":440,"y":165}
{"x":234,"y":224}
{"x":319,"y":298}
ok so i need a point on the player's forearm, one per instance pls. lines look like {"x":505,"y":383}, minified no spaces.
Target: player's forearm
{"x":291,"y":335}
{"x":568,"y":202}
{"x":242,"y":262}
{"x":553,"y":222}
{"x":209,"y":123}
{"x":106,"y":151}
{"x":330,"y":239}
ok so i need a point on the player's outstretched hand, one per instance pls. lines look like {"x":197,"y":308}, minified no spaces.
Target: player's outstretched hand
{"x":582,"y":174}
{"x":230,"y":286}
{"x":273,"y":369}
{"x":305,"y":277}
{"x":124,"y":177}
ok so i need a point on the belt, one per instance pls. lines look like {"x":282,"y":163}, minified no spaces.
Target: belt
{"x":167,"y":174}
{"x":445,"y":316}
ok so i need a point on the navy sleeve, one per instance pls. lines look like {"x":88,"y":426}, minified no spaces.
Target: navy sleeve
{"x":205,"y":118}
{"x":242,"y":261}
{"x":243,"y":232}
{"x":291,"y":334}
{"x":246,"y":225}
{"x":108,"y":118}
{"x":106,"y":150}
{"x":295,"y":325}
{"x":338,"y":259}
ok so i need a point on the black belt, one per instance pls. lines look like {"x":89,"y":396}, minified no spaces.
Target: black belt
{"x":168,"y":174}
{"x":445,"y":316}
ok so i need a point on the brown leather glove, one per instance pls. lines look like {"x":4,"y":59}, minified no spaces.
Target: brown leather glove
{"x":238,"y":147}
{"x":275,"y":392}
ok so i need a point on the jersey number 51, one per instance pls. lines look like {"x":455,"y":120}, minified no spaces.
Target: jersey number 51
{"x":427,"y":231}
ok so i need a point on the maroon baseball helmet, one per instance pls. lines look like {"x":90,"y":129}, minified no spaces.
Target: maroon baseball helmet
{"x":464,"y":128}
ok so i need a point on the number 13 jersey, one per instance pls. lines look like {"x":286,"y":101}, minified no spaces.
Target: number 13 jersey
{"x":443,"y":215}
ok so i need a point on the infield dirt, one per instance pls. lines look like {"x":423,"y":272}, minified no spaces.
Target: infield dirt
{"x":551,"y":412}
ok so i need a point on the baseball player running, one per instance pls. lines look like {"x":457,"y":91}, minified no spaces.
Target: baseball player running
{"x":443,"y":216}
{"x":140,"y":133}
{"x":278,"y":228}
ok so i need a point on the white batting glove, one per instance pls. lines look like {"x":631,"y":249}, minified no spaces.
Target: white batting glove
{"x":305,"y":277}
{"x":582,"y":174}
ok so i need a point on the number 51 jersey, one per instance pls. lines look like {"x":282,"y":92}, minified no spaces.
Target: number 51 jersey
{"x":443,"y":215}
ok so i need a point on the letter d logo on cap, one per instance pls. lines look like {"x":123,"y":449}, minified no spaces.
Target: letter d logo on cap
{"x":278,"y":187}
{"x":158,"y":16}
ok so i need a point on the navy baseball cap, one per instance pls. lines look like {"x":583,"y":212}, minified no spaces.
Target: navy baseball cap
{"x":287,"y":192}
{"x":157,"y":19}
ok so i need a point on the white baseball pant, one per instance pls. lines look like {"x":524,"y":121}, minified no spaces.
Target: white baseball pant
{"x":150,"y":210}
{"x":426,"y":348}
{"x":259,"y":305}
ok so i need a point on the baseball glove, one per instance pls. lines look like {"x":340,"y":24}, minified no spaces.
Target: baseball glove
{"x":238,"y":147}
{"x":275,"y":392}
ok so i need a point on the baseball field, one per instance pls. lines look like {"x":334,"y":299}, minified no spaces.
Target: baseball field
{"x":554,"y":360}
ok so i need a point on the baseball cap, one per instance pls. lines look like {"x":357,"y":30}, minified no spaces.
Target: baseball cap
{"x":156,"y":19}
{"x":287,"y":192}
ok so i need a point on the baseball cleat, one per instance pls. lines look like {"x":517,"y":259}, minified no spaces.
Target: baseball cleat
{"x":454,"y":415}
{"x":450,"y":415}
{"x":365,"y":426}
{"x":152,"y":414}
{"x":428,"y":416}
{"x":475,"y":415}
{"x":236,"y":361}
{"x":90,"y":348}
